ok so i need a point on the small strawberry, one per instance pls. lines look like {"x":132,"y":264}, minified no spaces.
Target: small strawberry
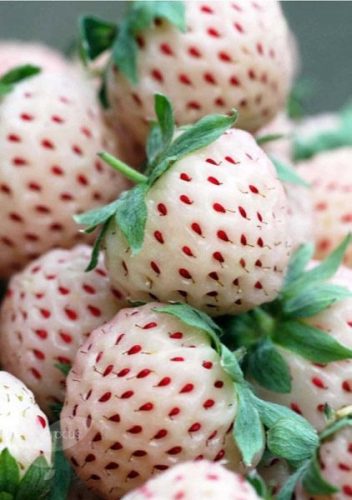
{"x":51,"y":130}
{"x":206,"y":57}
{"x":191,"y":480}
{"x":25,"y":441}
{"x":17,"y":53}
{"x":49,"y":309}
{"x":330,"y":176}
{"x":300,"y":346}
{"x":154,"y":387}
{"x":208,"y":226}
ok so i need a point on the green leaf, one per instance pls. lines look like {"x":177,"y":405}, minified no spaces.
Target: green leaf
{"x":140,"y":17}
{"x":166,"y":120}
{"x":36,"y":483}
{"x":64,"y":368}
{"x":96,"y":36}
{"x":269,"y":368}
{"x":299,"y":262}
{"x":195,"y":319}
{"x":131,"y":216}
{"x":248,"y":430}
{"x":287,"y":491}
{"x":230,"y":364}
{"x":63,"y":474}
{"x":310,"y":342}
{"x":286,"y":173}
{"x":9,"y":472}
{"x":264,"y":139}
{"x":16,"y":75}
{"x":292,"y":440}
{"x":314,"y":299}
{"x":313,"y":481}
{"x":97,"y":244}
{"x":97,"y":216}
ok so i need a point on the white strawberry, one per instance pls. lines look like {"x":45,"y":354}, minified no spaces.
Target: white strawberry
{"x":146,"y":392}
{"x":51,"y":130}
{"x":24,"y":429}
{"x":16,"y":53}
{"x":330,"y":176}
{"x":315,"y":384}
{"x":216,"y":233}
{"x":49,"y":309}
{"x":195,"y":480}
{"x":231,"y":54}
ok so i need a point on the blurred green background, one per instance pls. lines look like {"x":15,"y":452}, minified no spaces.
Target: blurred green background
{"x":323,"y":29}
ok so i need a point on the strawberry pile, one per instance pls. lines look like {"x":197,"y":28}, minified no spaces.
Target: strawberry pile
{"x":177,"y":320}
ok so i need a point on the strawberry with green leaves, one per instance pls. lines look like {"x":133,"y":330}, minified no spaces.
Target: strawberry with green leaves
{"x":155,"y":387}
{"x":190,"y":480}
{"x":48,"y":311}
{"x":206,"y":57}
{"x":51,"y":130}
{"x":25,"y":443}
{"x":299,"y":347}
{"x":207,"y":225}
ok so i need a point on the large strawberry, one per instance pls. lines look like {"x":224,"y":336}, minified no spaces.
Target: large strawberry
{"x":16,"y":53}
{"x":154,"y":387}
{"x":191,"y":480}
{"x":208,"y":226}
{"x":49,"y":309}
{"x":51,"y":130}
{"x":330,"y":176}
{"x":25,"y":442}
{"x":205,"y":56}
{"x":300,"y":346}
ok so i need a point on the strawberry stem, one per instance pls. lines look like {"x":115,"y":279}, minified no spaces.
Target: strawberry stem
{"x":123,"y":168}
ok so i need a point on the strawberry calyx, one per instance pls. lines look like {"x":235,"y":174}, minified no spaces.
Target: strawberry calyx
{"x":282,"y":323}
{"x":129,"y":211}
{"x":255,"y":418}
{"x":35,"y":484}
{"x":338,"y":137}
{"x":97,"y":35}
{"x":16,"y":75}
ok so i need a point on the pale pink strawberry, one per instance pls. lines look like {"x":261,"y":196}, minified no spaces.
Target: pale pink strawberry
{"x":24,"y":429}
{"x":335,"y":457}
{"x":49,"y":309}
{"x":233,"y":54}
{"x":51,"y":130}
{"x":314,"y":385}
{"x":217,"y":232}
{"x":17,"y":53}
{"x":145,"y":392}
{"x":330,"y":175}
{"x":195,"y":480}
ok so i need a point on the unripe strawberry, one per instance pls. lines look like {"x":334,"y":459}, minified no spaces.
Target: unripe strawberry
{"x":195,"y":480}
{"x":49,"y":309}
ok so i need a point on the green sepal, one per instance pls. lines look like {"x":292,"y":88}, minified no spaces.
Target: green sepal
{"x":94,"y":258}
{"x":264,"y":139}
{"x":194,"y":319}
{"x":259,"y":485}
{"x":337,"y":425}
{"x":64,"y":368}
{"x":313,"y":481}
{"x":16,"y":75}
{"x":141,"y":16}
{"x":288,"y":174}
{"x":63,"y":473}
{"x":290,"y":440}
{"x":231,"y":365}
{"x":96,"y":216}
{"x":9,"y":473}
{"x":96,"y":36}
{"x":300,"y":93}
{"x":310,"y":343}
{"x":36,"y":483}
{"x":266,"y":365}
{"x":298,"y":263}
{"x":166,"y":119}
{"x":288,"y":489}
{"x":248,"y":431}
{"x":131,"y":216}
